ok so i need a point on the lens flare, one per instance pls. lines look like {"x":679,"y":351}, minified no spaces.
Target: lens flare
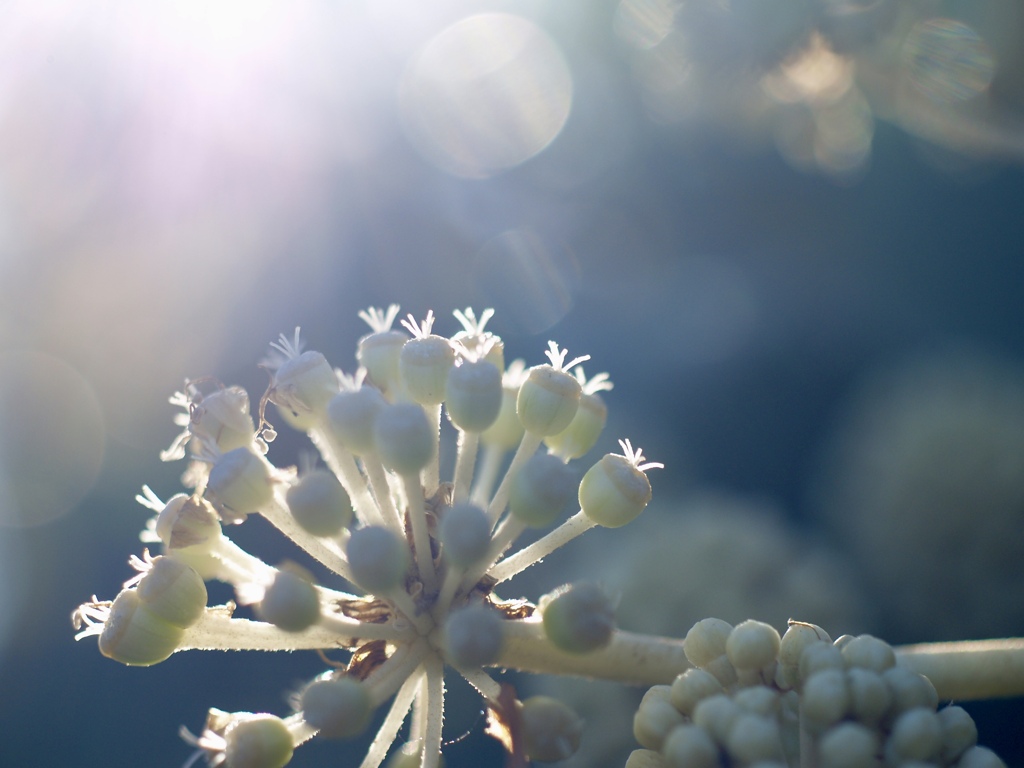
{"x":485,"y":95}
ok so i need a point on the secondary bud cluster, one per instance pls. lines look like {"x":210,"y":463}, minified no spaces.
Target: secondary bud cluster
{"x":753,"y":697}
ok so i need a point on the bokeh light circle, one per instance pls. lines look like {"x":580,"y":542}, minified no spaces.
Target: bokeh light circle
{"x":530,"y":281}
{"x":53,"y":438}
{"x":947,"y":60}
{"x":485,"y":94}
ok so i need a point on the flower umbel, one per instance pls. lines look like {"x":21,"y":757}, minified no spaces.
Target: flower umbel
{"x":423,"y":555}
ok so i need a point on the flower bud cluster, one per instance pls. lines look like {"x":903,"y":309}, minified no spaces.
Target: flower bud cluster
{"x":422,"y":556}
{"x":799,"y":699}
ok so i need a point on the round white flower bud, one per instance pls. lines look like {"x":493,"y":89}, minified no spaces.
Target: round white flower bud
{"x":339,"y":709}
{"x":848,"y":745}
{"x":551,"y":729}
{"x":690,"y":746}
{"x":507,"y":430}
{"x":404,"y":438}
{"x":257,"y":741}
{"x":655,"y":717}
{"x":909,"y":690}
{"x":825,"y":699}
{"x":959,"y":733}
{"x":379,"y":559}
{"x":868,"y":652}
{"x":758,"y":700}
{"x":645,"y":758}
{"x":240,"y":483}
{"x":424,"y":364}
{"x":351,"y":415}
{"x":319,"y":503}
{"x":706,"y":641}
{"x":291,"y":602}
{"x":473,"y":394}
{"x":753,"y":738}
{"x":583,"y":431}
{"x":473,"y":636}
{"x":304,"y":383}
{"x":222,"y":419}
{"x":916,"y":735}
{"x":796,"y":638}
{"x":980,"y":757}
{"x":548,"y":400}
{"x":465,"y":534}
{"x":578,"y":618}
{"x":541,"y":490}
{"x":188,"y":523}
{"x":613,"y":491}
{"x":752,"y":645}
{"x":692,"y":686}
{"x":870,"y":697}
{"x":173,"y":591}
{"x":378,"y":353}
{"x":134,"y":635}
{"x":817,"y":657}
{"x":716,"y":714}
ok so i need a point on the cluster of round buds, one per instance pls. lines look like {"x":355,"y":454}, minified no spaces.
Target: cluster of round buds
{"x":423,"y":556}
{"x":753,"y":697}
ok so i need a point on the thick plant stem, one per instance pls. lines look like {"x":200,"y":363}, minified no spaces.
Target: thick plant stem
{"x":963,"y":671}
{"x":629,"y":658}
{"x":970,"y":669}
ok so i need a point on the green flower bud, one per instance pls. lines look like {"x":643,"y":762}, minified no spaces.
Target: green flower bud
{"x":716,"y":715}
{"x":614,"y":491}
{"x":959,"y":733}
{"x":690,"y":746}
{"x":706,"y":641}
{"x":319,"y":503}
{"x":351,"y":415}
{"x":551,"y":729}
{"x":870,"y":697}
{"x":655,"y":718}
{"x":752,"y":645}
{"x":916,"y":735}
{"x":798,"y":636}
{"x":541,"y":490}
{"x":868,"y":652}
{"x":173,"y":591}
{"x":548,"y":400}
{"x":135,"y":635}
{"x":473,"y":636}
{"x":404,"y":438}
{"x":507,"y":430}
{"x":304,"y":383}
{"x":473,"y":395}
{"x":240,"y":484}
{"x":338,"y":708}
{"x":824,"y":700}
{"x":848,"y":745}
{"x":291,"y":602}
{"x":378,"y":353}
{"x":424,"y":364}
{"x":579,"y":618}
{"x":583,"y":431}
{"x":754,"y":738}
{"x":258,"y":741}
{"x":379,"y":559}
{"x":690,"y":687}
{"x":465,"y":534}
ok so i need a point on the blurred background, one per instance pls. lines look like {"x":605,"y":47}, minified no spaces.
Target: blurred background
{"x":791,"y":230}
